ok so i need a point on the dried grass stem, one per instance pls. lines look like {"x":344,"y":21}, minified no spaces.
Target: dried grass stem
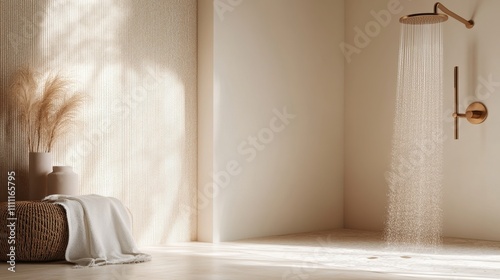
{"x":47,"y":107}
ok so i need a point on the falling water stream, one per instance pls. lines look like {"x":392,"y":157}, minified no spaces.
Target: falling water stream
{"x":415,"y":178}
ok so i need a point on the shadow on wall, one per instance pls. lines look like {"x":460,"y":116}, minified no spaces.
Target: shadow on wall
{"x":12,"y":144}
{"x":137,"y":60}
{"x":15,"y":51}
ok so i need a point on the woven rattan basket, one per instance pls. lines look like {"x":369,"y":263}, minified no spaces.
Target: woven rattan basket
{"x":41,"y":232}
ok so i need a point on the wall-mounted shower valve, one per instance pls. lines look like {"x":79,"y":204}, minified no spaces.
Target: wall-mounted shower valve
{"x":476,"y":113}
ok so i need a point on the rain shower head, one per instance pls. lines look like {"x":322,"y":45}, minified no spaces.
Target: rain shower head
{"x":424,"y":18}
{"x":431,"y":18}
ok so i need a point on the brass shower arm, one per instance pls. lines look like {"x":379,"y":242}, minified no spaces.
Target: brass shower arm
{"x":468,"y":23}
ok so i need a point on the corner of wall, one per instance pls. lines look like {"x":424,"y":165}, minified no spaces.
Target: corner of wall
{"x":205,"y":119}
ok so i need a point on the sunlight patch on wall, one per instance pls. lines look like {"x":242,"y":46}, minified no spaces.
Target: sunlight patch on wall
{"x":137,"y":141}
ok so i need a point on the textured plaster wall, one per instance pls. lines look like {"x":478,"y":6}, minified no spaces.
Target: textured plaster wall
{"x":137,"y":142}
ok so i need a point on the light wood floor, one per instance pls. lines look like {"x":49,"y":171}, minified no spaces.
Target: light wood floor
{"x":338,"y":254}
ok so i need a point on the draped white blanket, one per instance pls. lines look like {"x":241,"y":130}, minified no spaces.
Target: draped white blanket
{"x":99,"y":231}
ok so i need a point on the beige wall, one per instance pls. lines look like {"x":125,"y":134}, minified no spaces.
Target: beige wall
{"x":471,"y":178}
{"x":273,"y":175}
{"x":137,"y":61}
{"x":276,"y":174}
{"x":205,"y":117}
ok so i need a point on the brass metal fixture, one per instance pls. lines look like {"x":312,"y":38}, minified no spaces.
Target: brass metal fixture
{"x":431,"y":18}
{"x":475,"y":113}
{"x":423,"y":18}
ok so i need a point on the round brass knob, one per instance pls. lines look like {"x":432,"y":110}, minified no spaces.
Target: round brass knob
{"x":476,"y":113}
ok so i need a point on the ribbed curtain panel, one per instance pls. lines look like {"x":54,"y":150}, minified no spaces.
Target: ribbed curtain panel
{"x":136,"y":138}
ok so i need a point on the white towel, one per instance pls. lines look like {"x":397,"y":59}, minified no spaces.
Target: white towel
{"x":99,"y":231}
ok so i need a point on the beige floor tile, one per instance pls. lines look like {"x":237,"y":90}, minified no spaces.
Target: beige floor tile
{"x":338,"y":254}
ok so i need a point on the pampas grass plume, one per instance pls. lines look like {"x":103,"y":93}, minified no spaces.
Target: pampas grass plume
{"x":48,"y":107}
